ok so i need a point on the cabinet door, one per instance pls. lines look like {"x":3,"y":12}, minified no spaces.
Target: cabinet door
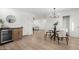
{"x":19,"y":33}
{"x":15,"y":34}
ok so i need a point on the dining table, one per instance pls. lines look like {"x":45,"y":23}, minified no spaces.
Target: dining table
{"x":54,"y":31}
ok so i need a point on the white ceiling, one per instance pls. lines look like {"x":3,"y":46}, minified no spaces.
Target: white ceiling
{"x":41,"y":12}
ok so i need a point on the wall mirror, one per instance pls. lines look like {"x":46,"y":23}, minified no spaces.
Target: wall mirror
{"x":11,"y":18}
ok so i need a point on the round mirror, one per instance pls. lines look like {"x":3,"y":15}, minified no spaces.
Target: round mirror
{"x":10,"y":18}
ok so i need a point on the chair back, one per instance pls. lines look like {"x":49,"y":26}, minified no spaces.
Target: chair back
{"x":62,"y":33}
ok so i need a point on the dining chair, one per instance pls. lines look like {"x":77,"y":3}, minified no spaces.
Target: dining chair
{"x":48,"y":34}
{"x":62,"y":35}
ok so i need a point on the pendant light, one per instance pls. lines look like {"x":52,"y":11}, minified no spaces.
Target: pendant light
{"x":53,"y":14}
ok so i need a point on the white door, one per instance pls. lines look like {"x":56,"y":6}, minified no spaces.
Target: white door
{"x":66,"y":23}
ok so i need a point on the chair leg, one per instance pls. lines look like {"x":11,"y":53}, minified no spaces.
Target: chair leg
{"x":45,"y":36}
{"x":58,"y":40}
{"x":61,"y":38}
{"x":67,"y":39}
{"x":51,"y":37}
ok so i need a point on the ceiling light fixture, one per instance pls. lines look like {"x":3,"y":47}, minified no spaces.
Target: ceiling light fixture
{"x":53,"y":14}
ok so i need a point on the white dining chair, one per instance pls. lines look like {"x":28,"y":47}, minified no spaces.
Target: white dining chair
{"x":61,"y":35}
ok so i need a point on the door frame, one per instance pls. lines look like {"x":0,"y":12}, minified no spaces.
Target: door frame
{"x":69,"y":22}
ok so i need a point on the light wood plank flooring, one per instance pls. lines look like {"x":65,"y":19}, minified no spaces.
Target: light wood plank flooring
{"x":37,"y":42}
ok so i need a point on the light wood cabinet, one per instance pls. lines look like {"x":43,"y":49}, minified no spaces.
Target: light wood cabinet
{"x":17,"y":33}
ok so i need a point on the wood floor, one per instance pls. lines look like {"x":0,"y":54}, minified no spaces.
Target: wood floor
{"x":37,"y":42}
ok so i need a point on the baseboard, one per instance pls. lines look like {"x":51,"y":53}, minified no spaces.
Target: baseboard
{"x":74,"y":37}
{"x":26,"y":35}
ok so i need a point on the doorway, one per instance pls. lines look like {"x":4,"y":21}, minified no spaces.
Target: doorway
{"x":66,"y":23}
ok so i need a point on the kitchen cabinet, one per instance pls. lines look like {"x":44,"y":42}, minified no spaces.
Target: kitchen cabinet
{"x":17,"y":33}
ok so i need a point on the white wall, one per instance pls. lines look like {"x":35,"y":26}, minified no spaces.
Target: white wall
{"x":23,"y":19}
{"x":45,"y":24}
{"x":41,"y":23}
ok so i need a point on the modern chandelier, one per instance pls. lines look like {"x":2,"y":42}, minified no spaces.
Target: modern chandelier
{"x":53,"y":14}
